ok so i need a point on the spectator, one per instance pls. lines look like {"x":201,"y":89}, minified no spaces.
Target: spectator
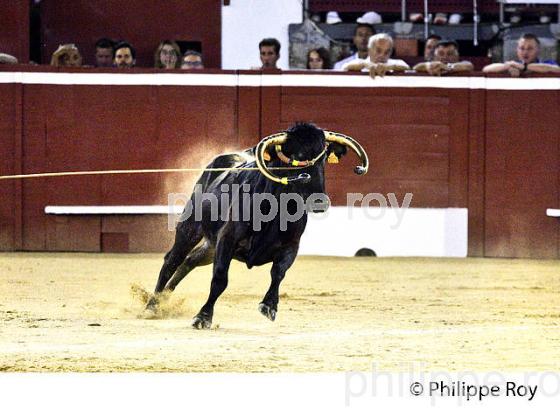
{"x":104,"y":52}
{"x":66,"y":55}
{"x":269,"y":49}
{"x":430,"y":46}
{"x":7,"y":59}
{"x":192,"y":60}
{"x":380,"y":48}
{"x":362,"y":34}
{"x":528,"y":50}
{"x":167,"y":55}
{"x":125,"y":55}
{"x":318,"y":59}
{"x":445,"y":61}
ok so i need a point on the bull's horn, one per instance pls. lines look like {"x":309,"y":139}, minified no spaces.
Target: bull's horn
{"x":351,"y":143}
{"x":274,"y":139}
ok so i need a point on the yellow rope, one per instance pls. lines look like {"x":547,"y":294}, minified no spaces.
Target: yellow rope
{"x":130,"y":171}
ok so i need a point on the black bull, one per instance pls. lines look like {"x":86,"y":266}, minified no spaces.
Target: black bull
{"x":206,"y":239}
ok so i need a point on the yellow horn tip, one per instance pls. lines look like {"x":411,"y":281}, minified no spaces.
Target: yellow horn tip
{"x":284,"y":180}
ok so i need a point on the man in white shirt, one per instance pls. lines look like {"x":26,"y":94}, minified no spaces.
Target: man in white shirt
{"x":378,"y":62}
{"x":362,"y":34}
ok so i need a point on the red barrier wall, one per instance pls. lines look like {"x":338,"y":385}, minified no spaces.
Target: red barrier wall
{"x":522,"y":174}
{"x":417,"y":140}
{"x":14,"y":28}
{"x":495,"y":152}
{"x":143,"y":23}
{"x":120,"y":127}
{"x":10,"y":123}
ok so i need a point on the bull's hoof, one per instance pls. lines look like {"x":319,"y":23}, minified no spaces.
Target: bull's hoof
{"x":202,"y":321}
{"x":152,"y":304}
{"x":267,"y":311}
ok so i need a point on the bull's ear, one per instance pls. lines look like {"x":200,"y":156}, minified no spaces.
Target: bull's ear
{"x":269,"y":154}
{"x":335,"y":151}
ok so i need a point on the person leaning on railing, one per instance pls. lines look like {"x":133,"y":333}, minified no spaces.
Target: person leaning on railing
{"x":378,"y":62}
{"x":445,"y":60}
{"x":528,"y":50}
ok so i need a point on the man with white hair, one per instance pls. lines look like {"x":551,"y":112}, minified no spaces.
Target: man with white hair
{"x":378,"y":62}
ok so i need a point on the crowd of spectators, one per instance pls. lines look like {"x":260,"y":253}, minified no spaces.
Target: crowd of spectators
{"x":373,"y":53}
{"x":121,"y":54}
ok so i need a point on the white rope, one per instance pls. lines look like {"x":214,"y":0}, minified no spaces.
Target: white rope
{"x":130,"y":171}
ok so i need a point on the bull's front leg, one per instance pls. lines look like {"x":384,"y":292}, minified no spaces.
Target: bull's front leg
{"x":224,"y":253}
{"x":269,"y":305}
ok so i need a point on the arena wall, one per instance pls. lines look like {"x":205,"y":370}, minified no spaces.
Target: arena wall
{"x":14,"y":29}
{"x":10,"y":129}
{"x":486,"y":145}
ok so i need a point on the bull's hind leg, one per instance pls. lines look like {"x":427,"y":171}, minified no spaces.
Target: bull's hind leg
{"x":202,"y":254}
{"x":187,"y":236}
{"x":269,"y":305}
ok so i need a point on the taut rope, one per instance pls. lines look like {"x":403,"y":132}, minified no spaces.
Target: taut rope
{"x":129,"y":171}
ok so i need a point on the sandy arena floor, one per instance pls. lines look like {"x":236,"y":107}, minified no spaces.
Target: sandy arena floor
{"x":84,"y":312}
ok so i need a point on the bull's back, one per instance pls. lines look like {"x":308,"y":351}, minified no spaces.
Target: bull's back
{"x":229,"y":160}
{"x":210,"y":183}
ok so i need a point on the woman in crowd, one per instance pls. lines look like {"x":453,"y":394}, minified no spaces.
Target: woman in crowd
{"x":318,"y":59}
{"x":66,"y":55}
{"x":167,"y":55}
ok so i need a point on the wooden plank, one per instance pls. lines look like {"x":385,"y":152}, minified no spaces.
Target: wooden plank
{"x":521,"y":173}
{"x":366,"y":107}
{"x":458,"y":148}
{"x":271,"y":110}
{"x":248,"y":115}
{"x":476,"y":177}
{"x":8,"y":165}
